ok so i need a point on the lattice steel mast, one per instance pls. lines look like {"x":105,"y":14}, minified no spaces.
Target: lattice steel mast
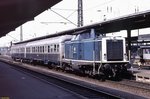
{"x":80,"y":13}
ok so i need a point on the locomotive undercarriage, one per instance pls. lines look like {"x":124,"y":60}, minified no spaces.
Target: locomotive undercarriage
{"x":109,"y":70}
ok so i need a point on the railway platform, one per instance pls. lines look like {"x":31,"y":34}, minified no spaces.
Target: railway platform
{"x":18,"y":85}
{"x":142,"y":74}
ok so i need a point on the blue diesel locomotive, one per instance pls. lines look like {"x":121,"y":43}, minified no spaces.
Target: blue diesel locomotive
{"x":96,"y":55}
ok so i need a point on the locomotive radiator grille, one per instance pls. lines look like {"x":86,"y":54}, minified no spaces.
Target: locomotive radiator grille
{"x":114,"y":50}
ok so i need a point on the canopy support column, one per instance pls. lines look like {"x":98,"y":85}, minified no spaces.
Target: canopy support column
{"x":129,"y":43}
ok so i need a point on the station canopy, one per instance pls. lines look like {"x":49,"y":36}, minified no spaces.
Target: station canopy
{"x":130,"y":22}
{"x":14,"y":13}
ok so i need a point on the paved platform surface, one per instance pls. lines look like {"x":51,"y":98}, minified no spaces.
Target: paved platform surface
{"x":141,"y":75}
{"x":17,"y":85}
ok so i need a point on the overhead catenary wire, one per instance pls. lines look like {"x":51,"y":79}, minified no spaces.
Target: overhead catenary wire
{"x":99,"y":5}
{"x":63,"y":17}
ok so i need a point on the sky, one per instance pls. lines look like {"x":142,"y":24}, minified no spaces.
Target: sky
{"x":49,"y":22}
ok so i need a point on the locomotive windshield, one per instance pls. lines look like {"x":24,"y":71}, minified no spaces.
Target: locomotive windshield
{"x":114,"y":50}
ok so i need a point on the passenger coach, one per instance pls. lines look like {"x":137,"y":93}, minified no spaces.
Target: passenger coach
{"x":44,"y":51}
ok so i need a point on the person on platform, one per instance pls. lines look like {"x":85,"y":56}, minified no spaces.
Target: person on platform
{"x":141,"y":62}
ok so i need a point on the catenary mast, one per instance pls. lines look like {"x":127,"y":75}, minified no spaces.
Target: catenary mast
{"x":80,"y":13}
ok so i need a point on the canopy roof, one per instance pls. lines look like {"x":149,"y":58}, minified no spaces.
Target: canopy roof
{"x":130,"y":22}
{"x":14,"y":13}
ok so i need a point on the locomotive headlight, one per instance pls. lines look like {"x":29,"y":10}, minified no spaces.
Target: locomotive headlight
{"x":105,"y":57}
{"x":125,"y":56}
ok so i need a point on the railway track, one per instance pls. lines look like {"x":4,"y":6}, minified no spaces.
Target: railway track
{"x":76,"y":88}
{"x":133,"y":84}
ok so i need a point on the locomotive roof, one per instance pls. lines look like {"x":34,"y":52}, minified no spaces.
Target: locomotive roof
{"x":132,"y":21}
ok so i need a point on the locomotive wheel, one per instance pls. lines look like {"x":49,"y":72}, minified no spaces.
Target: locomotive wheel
{"x":107,"y":70}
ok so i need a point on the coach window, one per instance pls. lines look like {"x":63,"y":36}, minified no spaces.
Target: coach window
{"x":51,"y":48}
{"x":43,"y":49}
{"x":23,"y":50}
{"x":29,"y":50}
{"x":57,"y":47}
{"x":40,"y":49}
{"x":34,"y":49}
{"x":48,"y":48}
{"x":19,"y":50}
